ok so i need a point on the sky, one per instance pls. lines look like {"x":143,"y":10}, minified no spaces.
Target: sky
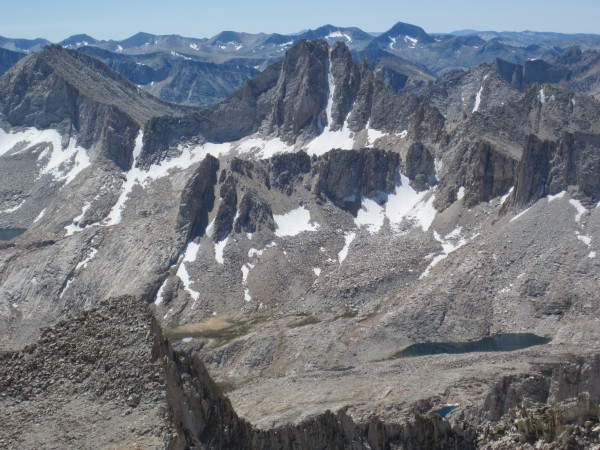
{"x":118,"y":19}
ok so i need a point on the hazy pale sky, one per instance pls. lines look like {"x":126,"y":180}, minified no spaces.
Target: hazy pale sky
{"x":118,"y":19}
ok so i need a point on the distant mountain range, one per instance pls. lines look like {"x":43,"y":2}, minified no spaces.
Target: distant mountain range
{"x":204,"y":71}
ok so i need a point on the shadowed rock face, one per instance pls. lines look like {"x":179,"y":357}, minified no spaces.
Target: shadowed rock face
{"x":344,"y":176}
{"x":484,"y":172}
{"x":548,"y":167}
{"x":8,"y":59}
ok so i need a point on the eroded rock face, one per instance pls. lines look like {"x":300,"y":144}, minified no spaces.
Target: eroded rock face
{"x":550,"y":167}
{"x":558,"y":408}
{"x":344,"y":176}
{"x":419,"y":167}
{"x":198,"y":197}
{"x":482,"y":171}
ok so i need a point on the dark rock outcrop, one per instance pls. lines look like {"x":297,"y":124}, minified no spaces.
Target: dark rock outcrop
{"x":482,"y":170}
{"x":227,"y":209}
{"x":254,"y":214}
{"x":286,"y":169}
{"x":549,"y":167}
{"x":198,"y":197}
{"x":419,"y":167}
{"x":344,"y":176}
{"x":8,"y":59}
{"x":530,"y":72}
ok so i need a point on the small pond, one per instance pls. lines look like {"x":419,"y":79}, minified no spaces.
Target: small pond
{"x":8,"y":234}
{"x":497,"y":343}
{"x":446,"y":410}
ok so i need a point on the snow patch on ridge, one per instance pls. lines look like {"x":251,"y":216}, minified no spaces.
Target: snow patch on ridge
{"x":63,"y":164}
{"x":557,"y":196}
{"x":478,"y":100}
{"x":189,"y":256}
{"x":294,"y":222}
{"x":581,"y":210}
{"x":348,"y":237}
{"x":83,"y":264}
{"x":450,"y":243}
{"x":371,"y":214}
{"x":74,"y":227}
{"x":220,"y":249}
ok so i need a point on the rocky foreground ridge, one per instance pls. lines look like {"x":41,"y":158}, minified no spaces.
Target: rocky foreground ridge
{"x":109,"y":379}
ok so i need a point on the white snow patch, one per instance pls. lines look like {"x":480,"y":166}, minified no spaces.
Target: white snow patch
{"x":557,"y":196}
{"x":246,"y":268}
{"x":254,"y":252}
{"x":371,"y":214}
{"x":424,"y":213}
{"x":40,"y":215}
{"x":542,"y":96}
{"x":160,"y":295}
{"x":13,"y":209}
{"x":412,"y":41}
{"x":450,"y":243}
{"x":461,"y":193}
{"x":403,"y":134}
{"x":338,"y":34}
{"x":372,"y":136}
{"x":402,"y":201}
{"x":210,"y":229}
{"x":478,"y":100}
{"x":193,"y":46}
{"x":348,"y":237}
{"x":585,"y":239}
{"x":294,"y":222}
{"x":63,"y":164}
{"x":67,"y":285}
{"x":83,"y":264}
{"x":592,"y":255}
{"x":74,"y":227}
{"x":180,"y":56}
{"x":133,"y":177}
{"x":327,"y":140}
{"x":438,"y":164}
{"x":264,"y":148}
{"x":220,"y":249}
{"x":189,"y":256}
{"x":317,"y":271}
{"x":191,"y":252}
{"x":520,"y":215}
{"x":581,"y":210}
{"x":505,"y":196}
{"x":184,"y":276}
{"x":136,"y":176}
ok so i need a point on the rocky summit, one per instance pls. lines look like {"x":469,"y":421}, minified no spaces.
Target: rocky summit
{"x":320,"y":259}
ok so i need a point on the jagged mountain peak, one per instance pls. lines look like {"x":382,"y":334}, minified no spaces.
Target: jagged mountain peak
{"x":58,"y":79}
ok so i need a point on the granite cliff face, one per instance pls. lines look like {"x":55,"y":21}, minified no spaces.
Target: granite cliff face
{"x":295,"y":238}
